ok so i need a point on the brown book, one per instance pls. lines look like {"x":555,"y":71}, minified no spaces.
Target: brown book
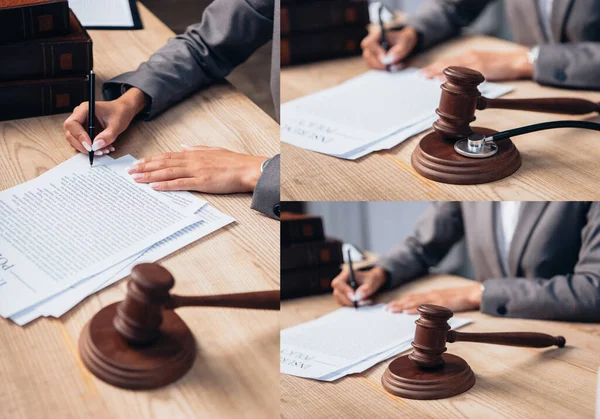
{"x":325,"y":45}
{"x":299,"y":228}
{"x":24,"y":99}
{"x":65,"y":56}
{"x":31,"y":19}
{"x":302,"y":16}
{"x":304,"y":282}
{"x":312,"y":254}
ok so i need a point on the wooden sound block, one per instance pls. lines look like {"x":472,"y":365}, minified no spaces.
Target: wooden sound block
{"x":405,"y":379}
{"x":112,"y":359}
{"x":435,"y":158}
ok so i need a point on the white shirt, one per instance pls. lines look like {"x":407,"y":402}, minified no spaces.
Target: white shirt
{"x":507,"y":216}
{"x":545,"y":11}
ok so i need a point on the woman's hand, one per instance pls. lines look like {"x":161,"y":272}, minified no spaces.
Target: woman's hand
{"x":494,"y":65}
{"x":401,"y":42}
{"x":369,"y":282}
{"x":456,"y":299}
{"x":203,"y":169}
{"x":114,"y":118}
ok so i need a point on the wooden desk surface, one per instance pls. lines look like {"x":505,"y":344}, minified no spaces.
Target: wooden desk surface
{"x":557,"y":164}
{"x":511,"y":382}
{"x":236,"y":373}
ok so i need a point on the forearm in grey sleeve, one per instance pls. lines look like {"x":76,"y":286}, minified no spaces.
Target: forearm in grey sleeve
{"x":438,"y":229}
{"x":438,"y":20}
{"x":230,"y":31}
{"x":569,"y":65}
{"x":266,"y":194}
{"x":572,"y":297}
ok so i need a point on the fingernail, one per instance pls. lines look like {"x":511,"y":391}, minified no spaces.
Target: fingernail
{"x":137,"y":176}
{"x":87,"y":147}
{"x":394,"y":68}
{"x":351,"y":296}
{"x":364,"y":303}
{"x":97,"y":153}
{"x":358,"y":296}
{"x":138,"y":161}
{"x":106,"y":151}
{"x":388,"y":59}
{"x":154,"y":185}
{"x":185,"y":146}
{"x":404,"y":311}
{"x":132,"y":168}
{"x":100,"y":144}
{"x":111,"y":148}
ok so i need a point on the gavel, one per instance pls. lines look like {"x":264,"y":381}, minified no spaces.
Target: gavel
{"x":461,"y":98}
{"x":140,"y":342}
{"x":433,"y":331}
{"x":140,"y":315}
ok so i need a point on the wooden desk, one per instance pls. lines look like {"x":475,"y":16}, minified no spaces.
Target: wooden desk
{"x":236,"y":373}
{"x":511,"y":382}
{"x":557,"y":164}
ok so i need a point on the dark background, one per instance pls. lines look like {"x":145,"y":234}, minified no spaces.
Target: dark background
{"x":252,"y":78}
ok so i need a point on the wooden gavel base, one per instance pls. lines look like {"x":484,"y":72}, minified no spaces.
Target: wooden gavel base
{"x":110,"y":358}
{"x":435,"y":158}
{"x":404,"y":379}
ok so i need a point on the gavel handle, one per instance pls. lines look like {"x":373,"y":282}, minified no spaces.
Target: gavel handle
{"x":265,"y":300}
{"x":548,"y":105}
{"x":526,"y":339}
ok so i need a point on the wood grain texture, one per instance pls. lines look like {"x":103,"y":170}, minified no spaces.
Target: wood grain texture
{"x":511,"y":382}
{"x":236,"y":372}
{"x":557,"y":164}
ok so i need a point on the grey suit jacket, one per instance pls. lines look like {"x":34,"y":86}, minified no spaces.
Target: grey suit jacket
{"x":554,"y":257}
{"x":571,"y":58}
{"x":230,"y":31}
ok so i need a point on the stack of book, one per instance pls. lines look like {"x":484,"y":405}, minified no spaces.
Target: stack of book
{"x":46,"y":56}
{"x":313,"y":30}
{"x":309,"y":260}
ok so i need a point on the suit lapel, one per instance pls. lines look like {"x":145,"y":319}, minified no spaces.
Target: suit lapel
{"x":558,"y":19}
{"x":529,"y":8}
{"x":487,"y":231}
{"x":528,"y":218}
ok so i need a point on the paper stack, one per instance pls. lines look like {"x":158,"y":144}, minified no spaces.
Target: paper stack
{"x":374,"y":111}
{"x":347,"y":341}
{"x":75,"y":230}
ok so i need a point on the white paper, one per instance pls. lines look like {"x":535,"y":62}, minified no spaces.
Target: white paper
{"x":209,"y":220}
{"x":75,"y":222}
{"x":109,"y":13}
{"x":347,"y":341}
{"x":374,"y":111}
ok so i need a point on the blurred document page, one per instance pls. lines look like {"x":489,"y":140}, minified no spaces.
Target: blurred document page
{"x":209,"y":219}
{"x":101,"y":13}
{"x":349,"y":120}
{"x":347,"y":341}
{"x":74,"y":222}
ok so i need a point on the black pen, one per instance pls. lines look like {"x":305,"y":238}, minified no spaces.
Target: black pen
{"x":384,"y":42}
{"x":91,"y":114}
{"x":352,"y":278}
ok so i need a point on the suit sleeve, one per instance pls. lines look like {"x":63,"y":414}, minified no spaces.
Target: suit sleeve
{"x":266,"y":194}
{"x":571,"y":297}
{"x":438,"y":20}
{"x":230,"y":31}
{"x":440,"y":227}
{"x":569,"y":65}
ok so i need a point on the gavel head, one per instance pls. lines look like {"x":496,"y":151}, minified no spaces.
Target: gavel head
{"x":430,"y":336}
{"x":458,"y":102}
{"x":139,"y":316}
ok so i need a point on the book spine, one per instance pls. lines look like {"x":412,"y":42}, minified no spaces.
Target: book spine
{"x":34,"y":22}
{"x":311,"y":255}
{"x":298,"y":231}
{"x":299,"y":17}
{"x":46,"y":60}
{"x":297,"y":49}
{"x":25,"y":101}
{"x":305,"y":282}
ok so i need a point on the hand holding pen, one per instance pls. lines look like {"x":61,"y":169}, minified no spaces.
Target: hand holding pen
{"x":353,"y":283}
